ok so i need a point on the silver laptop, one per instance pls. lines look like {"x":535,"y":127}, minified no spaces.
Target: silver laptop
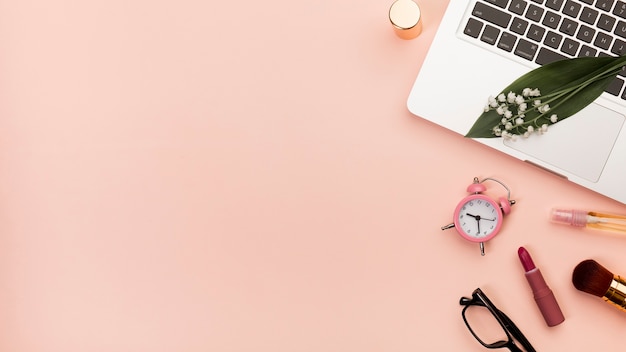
{"x":483,"y":45}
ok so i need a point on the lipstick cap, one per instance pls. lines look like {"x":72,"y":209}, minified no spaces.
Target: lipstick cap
{"x":406,"y":18}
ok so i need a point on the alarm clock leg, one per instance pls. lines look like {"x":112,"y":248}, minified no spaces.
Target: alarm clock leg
{"x":449,"y":226}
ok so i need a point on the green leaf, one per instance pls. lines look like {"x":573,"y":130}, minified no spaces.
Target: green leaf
{"x":592,"y":74}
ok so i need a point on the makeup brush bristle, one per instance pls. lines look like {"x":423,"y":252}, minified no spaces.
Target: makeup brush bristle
{"x":591,"y":277}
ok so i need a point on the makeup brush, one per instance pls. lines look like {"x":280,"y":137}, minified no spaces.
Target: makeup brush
{"x":593,"y":278}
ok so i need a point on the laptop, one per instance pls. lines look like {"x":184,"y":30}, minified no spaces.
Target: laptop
{"x":482,"y":46}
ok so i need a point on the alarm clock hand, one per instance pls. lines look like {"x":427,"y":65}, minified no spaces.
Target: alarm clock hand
{"x":477,"y":217}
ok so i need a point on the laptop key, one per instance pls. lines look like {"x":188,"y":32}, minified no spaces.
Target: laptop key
{"x":620,"y":9}
{"x":606,"y":22}
{"x":526,"y":49}
{"x":589,"y":15}
{"x":587,"y":51}
{"x":553,"y":40}
{"x":491,"y":14}
{"x":572,"y":9}
{"x":605,"y":5}
{"x":555,"y":4}
{"x":619,"y":47}
{"x":507,"y":41}
{"x":570,"y":46}
{"x":536,"y":33}
{"x":534,"y":13}
{"x":517,"y":7}
{"x":615,"y":87}
{"x":586,"y":34}
{"x":473,"y":28}
{"x":603,"y":41}
{"x":620,"y":29}
{"x":547,"y":56}
{"x":519,"y":26}
{"x":490,"y":35}
{"x":499,"y":3}
{"x":551,"y":20}
{"x":568,"y":26}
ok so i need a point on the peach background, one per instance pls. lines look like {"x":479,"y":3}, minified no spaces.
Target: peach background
{"x":244,"y":176}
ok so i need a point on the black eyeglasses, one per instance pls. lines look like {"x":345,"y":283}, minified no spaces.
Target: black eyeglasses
{"x":479,"y":313}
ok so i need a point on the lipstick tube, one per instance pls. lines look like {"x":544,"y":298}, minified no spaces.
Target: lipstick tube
{"x":543,"y":295}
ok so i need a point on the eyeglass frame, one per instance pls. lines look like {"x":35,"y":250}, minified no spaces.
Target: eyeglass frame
{"x":512,"y":331}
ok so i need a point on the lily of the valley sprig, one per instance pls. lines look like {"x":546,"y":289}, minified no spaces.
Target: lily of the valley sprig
{"x":545,"y":96}
{"x":514,"y":110}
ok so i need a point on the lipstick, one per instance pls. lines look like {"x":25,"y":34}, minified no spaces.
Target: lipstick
{"x":548,"y":306}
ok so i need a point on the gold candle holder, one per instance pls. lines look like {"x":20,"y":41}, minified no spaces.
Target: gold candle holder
{"x":406,"y":18}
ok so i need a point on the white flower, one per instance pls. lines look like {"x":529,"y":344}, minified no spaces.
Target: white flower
{"x":503,"y":121}
{"x":510,"y":98}
{"x":535,"y":92}
{"x":530,"y":129}
{"x":544,"y":128}
{"x":522,"y":107}
{"x":537,"y":102}
{"x":492,"y":102}
{"x":500,"y":110}
{"x":526,"y":92}
{"x":501,"y":98}
{"x":519,"y":121}
{"x":544,"y":108}
{"x":508,"y":114}
{"x":553,"y":118}
{"x":519,"y":100}
{"x":508,"y":126}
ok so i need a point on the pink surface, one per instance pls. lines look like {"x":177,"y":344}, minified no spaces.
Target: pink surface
{"x":244,"y":176}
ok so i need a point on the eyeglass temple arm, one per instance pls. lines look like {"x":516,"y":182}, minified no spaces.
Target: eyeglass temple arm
{"x":517,"y":333}
{"x":514,"y":348}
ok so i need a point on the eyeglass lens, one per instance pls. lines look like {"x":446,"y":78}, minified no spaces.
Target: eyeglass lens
{"x":484,"y":325}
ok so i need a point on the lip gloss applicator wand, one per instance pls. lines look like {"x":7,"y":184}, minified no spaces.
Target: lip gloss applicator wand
{"x":544,"y":297}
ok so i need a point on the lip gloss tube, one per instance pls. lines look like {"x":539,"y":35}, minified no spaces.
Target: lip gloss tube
{"x":544,"y":297}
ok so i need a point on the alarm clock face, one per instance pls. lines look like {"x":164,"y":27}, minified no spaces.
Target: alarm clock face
{"x":478,"y":218}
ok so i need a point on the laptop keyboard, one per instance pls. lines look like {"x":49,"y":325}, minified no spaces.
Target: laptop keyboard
{"x":543,"y":31}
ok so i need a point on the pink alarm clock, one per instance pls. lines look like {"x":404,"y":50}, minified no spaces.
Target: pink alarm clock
{"x":478,"y":217}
